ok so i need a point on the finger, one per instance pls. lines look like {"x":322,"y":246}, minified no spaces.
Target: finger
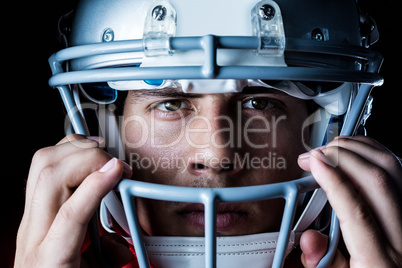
{"x":56,"y":185}
{"x":46,"y":160}
{"x":367,"y":177}
{"x":370,"y":167}
{"x":71,"y":171}
{"x":373,"y":152}
{"x":366,"y":140}
{"x":377,"y":189}
{"x":358,"y":226}
{"x":365,"y":146}
{"x":68,"y":145}
{"x":82,"y":141}
{"x":314,"y":246}
{"x":50,"y":155}
{"x":69,"y":227}
{"x":304,"y":159}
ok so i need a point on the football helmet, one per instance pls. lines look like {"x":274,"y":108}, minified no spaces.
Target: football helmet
{"x":313,"y":50}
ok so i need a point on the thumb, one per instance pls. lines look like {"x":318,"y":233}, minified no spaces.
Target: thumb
{"x":314,"y":246}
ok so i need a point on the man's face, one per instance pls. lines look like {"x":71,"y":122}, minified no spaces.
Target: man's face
{"x":212,"y":140}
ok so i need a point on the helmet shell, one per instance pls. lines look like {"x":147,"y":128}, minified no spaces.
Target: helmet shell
{"x":333,"y":22}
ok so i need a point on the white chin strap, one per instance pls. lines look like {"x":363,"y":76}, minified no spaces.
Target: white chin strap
{"x":241,"y":251}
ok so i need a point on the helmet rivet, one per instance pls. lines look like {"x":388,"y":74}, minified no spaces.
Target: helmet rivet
{"x":112,"y":107}
{"x":159,"y":13}
{"x":108,"y":35}
{"x":317,"y":34}
{"x":267,"y":12}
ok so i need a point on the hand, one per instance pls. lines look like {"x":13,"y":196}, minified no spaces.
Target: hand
{"x":363,"y":183}
{"x":66,"y":184}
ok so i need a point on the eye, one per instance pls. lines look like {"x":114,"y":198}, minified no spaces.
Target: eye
{"x":172,"y":105}
{"x":258,"y":104}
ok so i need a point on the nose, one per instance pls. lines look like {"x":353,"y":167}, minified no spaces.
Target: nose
{"x":204,"y":162}
{"x":211,"y":137}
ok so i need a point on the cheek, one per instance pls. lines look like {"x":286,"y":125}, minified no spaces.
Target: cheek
{"x":276,"y":151}
{"x":161,"y":166}
{"x":138,"y":131}
{"x":278,"y":133}
{"x":156,"y":156}
{"x":290,"y":143}
{"x":135,"y":131}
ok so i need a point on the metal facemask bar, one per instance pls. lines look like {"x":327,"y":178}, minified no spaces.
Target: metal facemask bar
{"x":210,"y":70}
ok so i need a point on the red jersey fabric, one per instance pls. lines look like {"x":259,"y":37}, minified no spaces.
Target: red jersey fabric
{"x":132,"y":264}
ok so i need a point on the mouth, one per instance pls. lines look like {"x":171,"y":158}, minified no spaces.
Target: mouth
{"x":229,"y":217}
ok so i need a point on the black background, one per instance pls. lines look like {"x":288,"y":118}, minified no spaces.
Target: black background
{"x":32,"y":115}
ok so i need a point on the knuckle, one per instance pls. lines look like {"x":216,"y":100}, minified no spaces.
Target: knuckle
{"x":343,"y":142}
{"x":71,"y":212}
{"x":98,"y":156}
{"x":67,"y":212}
{"x":47,"y":174}
{"x":331,"y":150}
{"x":96,"y":153}
{"x":362,"y":213}
{"x":381,"y":179}
{"x":73,"y":137}
{"x":81,"y":141}
{"x":42,"y":155}
{"x":390,"y":160}
{"x":366,"y":139}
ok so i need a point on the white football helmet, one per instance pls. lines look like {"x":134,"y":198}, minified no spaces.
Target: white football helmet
{"x":313,"y":50}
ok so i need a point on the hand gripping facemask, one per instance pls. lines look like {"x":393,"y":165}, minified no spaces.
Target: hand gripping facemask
{"x":301,"y":48}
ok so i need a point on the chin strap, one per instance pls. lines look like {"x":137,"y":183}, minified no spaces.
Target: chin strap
{"x":240,"y":251}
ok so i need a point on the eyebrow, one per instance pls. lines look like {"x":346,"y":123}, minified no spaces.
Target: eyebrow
{"x":164,"y":93}
{"x":178,"y":93}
